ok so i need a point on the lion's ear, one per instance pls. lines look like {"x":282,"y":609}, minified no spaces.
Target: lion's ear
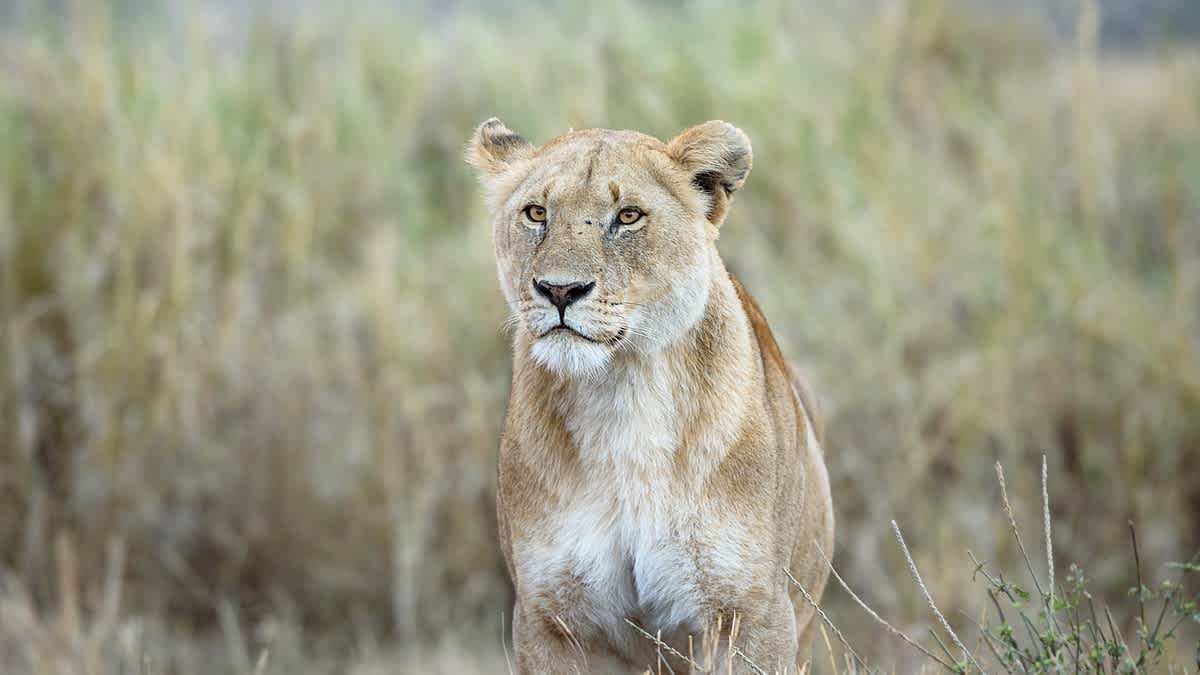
{"x":718,"y":157}
{"x":495,"y":146}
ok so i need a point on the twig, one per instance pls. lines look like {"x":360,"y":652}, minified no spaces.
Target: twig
{"x":1171,"y":631}
{"x":1137,"y":565}
{"x":1095,"y":627}
{"x":986,"y":637}
{"x":1162,"y":613}
{"x":1032,"y":630}
{"x":1117,"y":637}
{"x":1075,"y":635}
{"x":997,"y":583}
{"x":987,"y":640}
{"x":992,"y":595}
{"x":938,"y":640}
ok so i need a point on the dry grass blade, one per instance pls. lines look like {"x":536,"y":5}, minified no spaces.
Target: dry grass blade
{"x":235,"y":641}
{"x":826,"y":620}
{"x":733,"y":651}
{"x":659,"y":655}
{"x":879,"y":619}
{"x":758,"y":670}
{"x":1047,"y":600}
{"x":829,"y":650}
{"x":570,"y":635}
{"x":504,"y":645}
{"x":1012,"y":523}
{"x":659,"y":644}
{"x":916,"y":574}
{"x":1046,"y":529}
{"x":67,"y":574}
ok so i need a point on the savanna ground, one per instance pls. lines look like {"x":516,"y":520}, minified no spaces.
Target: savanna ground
{"x":252,"y":366}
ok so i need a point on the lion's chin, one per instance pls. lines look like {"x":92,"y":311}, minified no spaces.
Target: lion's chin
{"x":571,"y":355}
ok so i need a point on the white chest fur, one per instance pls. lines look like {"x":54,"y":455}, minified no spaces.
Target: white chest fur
{"x":626,"y":428}
{"x":631,"y":539}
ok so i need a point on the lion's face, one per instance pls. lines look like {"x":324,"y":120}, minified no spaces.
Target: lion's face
{"x":604,"y":239}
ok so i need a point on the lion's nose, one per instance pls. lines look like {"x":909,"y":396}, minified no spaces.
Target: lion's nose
{"x":562,"y":295}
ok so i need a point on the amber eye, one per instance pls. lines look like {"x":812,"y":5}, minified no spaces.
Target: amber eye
{"x":629,"y":216}
{"x":536,"y":213}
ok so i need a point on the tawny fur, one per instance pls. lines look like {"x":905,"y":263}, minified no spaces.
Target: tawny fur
{"x":660,"y":461}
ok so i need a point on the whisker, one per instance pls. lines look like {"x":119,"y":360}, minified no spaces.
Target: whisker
{"x":510,"y":324}
{"x":639,"y":346}
{"x":622,"y":303}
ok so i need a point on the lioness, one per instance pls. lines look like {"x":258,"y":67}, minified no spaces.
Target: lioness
{"x":660,"y":460}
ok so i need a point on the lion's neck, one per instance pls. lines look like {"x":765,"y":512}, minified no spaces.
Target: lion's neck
{"x":677,"y":410}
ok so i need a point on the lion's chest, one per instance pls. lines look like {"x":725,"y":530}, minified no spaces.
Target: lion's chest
{"x":631,"y":539}
{"x":607,"y":557}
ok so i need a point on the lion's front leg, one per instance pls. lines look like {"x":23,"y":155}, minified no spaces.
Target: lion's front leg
{"x":764,"y":642}
{"x":543,"y":645}
{"x":540,"y":648}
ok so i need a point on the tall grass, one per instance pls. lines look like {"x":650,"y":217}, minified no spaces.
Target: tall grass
{"x":251,"y":329}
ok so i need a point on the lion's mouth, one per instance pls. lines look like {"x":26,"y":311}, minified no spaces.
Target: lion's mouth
{"x":611,"y":342}
{"x":567,"y":329}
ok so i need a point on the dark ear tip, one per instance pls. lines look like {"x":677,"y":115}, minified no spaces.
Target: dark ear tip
{"x":490,"y":128}
{"x":733,"y":142}
{"x":493,"y":132}
{"x":719,"y":157}
{"x":738,"y":139}
{"x":728,"y":129}
{"x":493,"y":127}
{"x":494,"y":144}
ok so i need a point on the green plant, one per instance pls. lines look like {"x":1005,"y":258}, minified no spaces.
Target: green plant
{"x":1055,"y":629}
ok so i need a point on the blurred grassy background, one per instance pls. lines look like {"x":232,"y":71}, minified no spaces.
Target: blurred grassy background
{"x":252,"y":369}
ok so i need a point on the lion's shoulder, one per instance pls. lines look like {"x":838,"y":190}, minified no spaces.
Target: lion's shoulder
{"x":772,"y":353}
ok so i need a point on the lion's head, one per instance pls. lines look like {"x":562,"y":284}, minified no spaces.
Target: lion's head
{"x":604,"y":239}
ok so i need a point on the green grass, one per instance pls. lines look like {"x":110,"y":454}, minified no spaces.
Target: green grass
{"x":251,"y":340}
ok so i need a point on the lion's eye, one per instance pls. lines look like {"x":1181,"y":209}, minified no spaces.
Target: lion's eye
{"x":629,"y":216}
{"x":535,"y":213}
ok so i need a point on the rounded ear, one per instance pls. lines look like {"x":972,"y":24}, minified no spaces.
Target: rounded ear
{"x":718,"y":157}
{"x":494,"y":146}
